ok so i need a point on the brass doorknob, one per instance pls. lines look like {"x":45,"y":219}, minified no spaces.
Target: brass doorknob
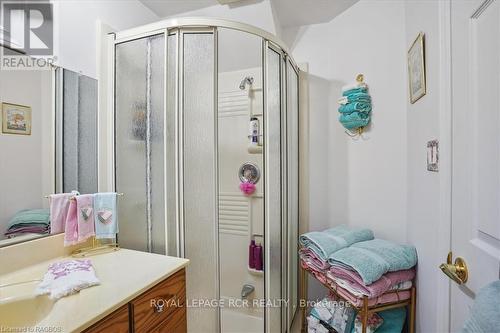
{"x":457,"y":271}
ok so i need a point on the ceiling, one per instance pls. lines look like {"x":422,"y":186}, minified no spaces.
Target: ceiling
{"x":290,"y":13}
{"x":164,"y":8}
{"x":295,"y":13}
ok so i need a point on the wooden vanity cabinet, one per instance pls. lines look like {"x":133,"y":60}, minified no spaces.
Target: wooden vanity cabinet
{"x":161,"y":309}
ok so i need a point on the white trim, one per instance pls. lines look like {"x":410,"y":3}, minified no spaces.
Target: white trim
{"x":105,"y":109}
{"x":110,"y":115}
{"x":140,"y":31}
{"x":165,"y":141}
{"x":445,"y":169}
{"x":57,"y":93}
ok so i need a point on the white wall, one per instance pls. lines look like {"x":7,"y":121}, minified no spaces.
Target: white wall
{"x":387,"y":186}
{"x":423,"y":186}
{"x":367,"y":38}
{"x":75,"y":27}
{"x":25,"y":164}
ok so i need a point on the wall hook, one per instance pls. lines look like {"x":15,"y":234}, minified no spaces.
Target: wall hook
{"x":359,"y":131}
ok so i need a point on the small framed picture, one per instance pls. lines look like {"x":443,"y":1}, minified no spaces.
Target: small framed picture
{"x":16,"y":119}
{"x":416,"y":69}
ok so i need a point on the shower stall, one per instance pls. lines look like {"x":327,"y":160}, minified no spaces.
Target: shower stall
{"x":206,"y":151}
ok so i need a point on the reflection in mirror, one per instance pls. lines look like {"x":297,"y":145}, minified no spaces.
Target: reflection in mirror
{"x":76,"y":150}
{"x":30,"y":164}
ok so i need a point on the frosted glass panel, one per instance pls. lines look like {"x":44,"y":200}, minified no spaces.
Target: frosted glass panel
{"x":157,"y":154}
{"x":292,"y":189}
{"x":272,"y":142}
{"x":139,"y":117}
{"x":70,"y":128}
{"x":171,"y":142}
{"x":199,"y":178}
{"x":79,"y":145}
{"x":87,"y":134}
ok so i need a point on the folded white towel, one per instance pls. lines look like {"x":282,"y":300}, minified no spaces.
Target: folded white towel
{"x":343,"y":100}
{"x":354,"y":86}
{"x":67,"y":277}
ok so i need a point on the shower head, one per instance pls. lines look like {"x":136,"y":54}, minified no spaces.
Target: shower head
{"x":247,"y":80}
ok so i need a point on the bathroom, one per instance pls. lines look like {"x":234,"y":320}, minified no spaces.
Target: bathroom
{"x":212,"y":126}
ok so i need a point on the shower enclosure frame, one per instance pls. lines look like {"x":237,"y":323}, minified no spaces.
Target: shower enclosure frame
{"x":180,"y":26}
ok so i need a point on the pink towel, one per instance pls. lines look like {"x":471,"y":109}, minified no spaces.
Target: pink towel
{"x":312,"y":259}
{"x":382,"y":299}
{"x":317,"y":273}
{"x":85,"y":209}
{"x":71,"y":228}
{"x":356,"y":301}
{"x":59,"y":204}
{"x":375,"y":289}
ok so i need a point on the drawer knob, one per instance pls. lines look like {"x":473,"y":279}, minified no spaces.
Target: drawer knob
{"x":159,"y":308}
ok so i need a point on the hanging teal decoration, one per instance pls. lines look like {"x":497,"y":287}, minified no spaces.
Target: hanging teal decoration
{"x":355,"y":106}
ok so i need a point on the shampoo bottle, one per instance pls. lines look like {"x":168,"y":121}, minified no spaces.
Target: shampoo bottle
{"x":254,"y":131}
{"x":259,"y":264}
{"x":251,"y":254}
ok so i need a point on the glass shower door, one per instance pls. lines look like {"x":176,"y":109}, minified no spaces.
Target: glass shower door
{"x":241,"y":216}
{"x":139,"y":142}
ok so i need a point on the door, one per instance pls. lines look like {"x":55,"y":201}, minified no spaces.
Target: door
{"x":475,"y":31}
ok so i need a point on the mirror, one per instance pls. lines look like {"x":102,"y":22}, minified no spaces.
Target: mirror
{"x":48,"y":144}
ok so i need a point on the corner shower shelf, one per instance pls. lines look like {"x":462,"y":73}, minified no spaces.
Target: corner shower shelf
{"x":255,"y":271}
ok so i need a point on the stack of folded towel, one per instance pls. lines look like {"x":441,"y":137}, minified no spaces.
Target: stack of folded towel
{"x":317,"y":246}
{"x":83,"y":216}
{"x":357,"y":265}
{"x":355,"y":106}
{"x":36,"y":221}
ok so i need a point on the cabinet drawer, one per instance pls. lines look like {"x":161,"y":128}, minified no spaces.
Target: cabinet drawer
{"x":176,"y":323}
{"x":117,"y":322}
{"x":160,"y":304}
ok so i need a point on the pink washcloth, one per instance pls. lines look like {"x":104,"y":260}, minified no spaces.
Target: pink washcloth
{"x":71,"y":227}
{"x":59,"y":204}
{"x":85,"y":209}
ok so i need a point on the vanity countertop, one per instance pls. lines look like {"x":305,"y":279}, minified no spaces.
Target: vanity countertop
{"x":124,"y":275}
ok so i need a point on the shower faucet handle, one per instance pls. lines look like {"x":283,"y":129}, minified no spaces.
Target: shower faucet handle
{"x":247,"y":290}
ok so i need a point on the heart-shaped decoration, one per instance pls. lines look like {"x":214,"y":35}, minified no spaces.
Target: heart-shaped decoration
{"x":86,"y":212}
{"x":104,"y":216}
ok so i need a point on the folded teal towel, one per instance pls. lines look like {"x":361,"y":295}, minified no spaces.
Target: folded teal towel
{"x":105,"y":215}
{"x":354,"y":91}
{"x":359,"y":97}
{"x":324,"y":243}
{"x":30,"y":217}
{"x":356,"y":106}
{"x":394,"y":320}
{"x":374,"y":258}
{"x":354,"y":119}
{"x":485,"y":312}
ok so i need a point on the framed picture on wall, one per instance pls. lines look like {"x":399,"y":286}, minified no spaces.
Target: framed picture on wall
{"x":416,"y":69}
{"x":16,"y":119}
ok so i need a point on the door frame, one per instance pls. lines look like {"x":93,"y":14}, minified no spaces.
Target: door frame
{"x":446,"y":160}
